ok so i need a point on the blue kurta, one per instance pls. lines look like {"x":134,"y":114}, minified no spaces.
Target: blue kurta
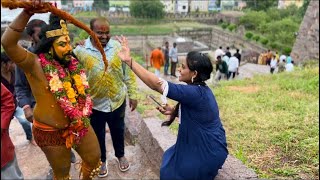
{"x":201,"y":147}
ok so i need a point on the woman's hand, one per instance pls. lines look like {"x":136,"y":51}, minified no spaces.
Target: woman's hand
{"x":166,"y":109}
{"x":124,"y":53}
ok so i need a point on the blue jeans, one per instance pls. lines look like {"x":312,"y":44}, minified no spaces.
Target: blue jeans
{"x":166,"y":67}
{"x":26,"y":125}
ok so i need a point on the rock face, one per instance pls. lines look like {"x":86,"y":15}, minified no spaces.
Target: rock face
{"x":306,"y":46}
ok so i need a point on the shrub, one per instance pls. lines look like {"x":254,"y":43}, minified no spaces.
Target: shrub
{"x":274,"y":45}
{"x":252,"y":19}
{"x":232,"y":27}
{"x":264,"y":41}
{"x":248,"y":35}
{"x":224,"y":25}
{"x":256,"y":38}
{"x":287,"y":50}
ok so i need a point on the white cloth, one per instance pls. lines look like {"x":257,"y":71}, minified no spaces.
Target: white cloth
{"x":165,"y":89}
{"x":273,"y":63}
{"x":174,"y":54}
{"x":218,"y":52}
{"x":282,"y":57}
{"x":289,"y":67}
{"x":233,"y":64}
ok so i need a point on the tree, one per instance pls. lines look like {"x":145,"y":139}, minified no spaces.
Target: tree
{"x":261,"y":4}
{"x":101,"y":4}
{"x":64,"y":2}
{"x":147,"y":9}
{"x":218,"y":2}
{"x":304,"y":8}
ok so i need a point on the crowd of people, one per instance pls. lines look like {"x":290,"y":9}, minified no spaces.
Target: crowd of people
{"x":74,"y":93}
{"x":227,"y":65}
{"x":276,"y":62}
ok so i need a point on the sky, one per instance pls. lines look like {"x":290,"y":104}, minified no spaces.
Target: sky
{"x":9,"y":15}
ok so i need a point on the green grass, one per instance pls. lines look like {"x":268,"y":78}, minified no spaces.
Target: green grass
{"x":272,"y":123}
{"x":152,"y":29}
{"x":91,"y":14}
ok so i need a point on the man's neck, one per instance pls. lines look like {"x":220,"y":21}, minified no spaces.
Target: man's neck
{"x":94,"y":44}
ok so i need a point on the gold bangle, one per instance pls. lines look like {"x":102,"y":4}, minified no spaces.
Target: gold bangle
{"x":16,"y":29}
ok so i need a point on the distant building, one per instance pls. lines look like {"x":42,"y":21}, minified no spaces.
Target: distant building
{"x":212,"y":5}
{"x":119,"y":6}
{"x":176,"y":6}
{"x":181,"y":6}
{"x":168,"y":6}
{"x":227,"y":4}
{"x":285,"y":3}
{"x":199,"y":5}
{"x":57,"y":3}
{"x":80,"y":4}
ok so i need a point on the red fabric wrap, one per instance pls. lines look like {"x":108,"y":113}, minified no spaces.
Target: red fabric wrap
{"x":7,"y":110}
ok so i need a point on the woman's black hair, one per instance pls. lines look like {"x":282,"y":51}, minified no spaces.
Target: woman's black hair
{"x":46,"y":43}
{"x":34,"y":23}
{"x":201,"y":63}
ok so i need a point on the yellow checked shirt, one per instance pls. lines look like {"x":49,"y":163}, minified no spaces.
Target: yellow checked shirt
{"x":108,"y":89}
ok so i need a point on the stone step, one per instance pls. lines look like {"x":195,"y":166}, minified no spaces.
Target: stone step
{"x":154,"y":140}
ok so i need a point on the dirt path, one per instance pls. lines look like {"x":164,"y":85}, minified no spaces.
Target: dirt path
{"x":34,"y":164}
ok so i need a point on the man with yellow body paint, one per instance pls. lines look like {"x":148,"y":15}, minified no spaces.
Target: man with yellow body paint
{"x":58,"y":83}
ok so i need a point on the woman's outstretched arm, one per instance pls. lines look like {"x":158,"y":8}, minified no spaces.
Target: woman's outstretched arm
{"x":150,"y":79}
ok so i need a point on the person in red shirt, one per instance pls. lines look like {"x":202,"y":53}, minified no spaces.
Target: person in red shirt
{"x":9,"y":165}
{"x":157,"y":60}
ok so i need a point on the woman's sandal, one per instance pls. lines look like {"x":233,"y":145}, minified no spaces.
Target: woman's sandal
{"x":103,"y":170}
{"x":122,"y":162}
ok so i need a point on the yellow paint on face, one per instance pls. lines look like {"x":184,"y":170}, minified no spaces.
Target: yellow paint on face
{"x":63,"y":48}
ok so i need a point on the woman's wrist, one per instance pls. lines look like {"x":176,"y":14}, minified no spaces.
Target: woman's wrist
{"x":26,"y":11}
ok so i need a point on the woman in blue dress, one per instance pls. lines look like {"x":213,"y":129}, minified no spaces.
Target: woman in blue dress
{"x":201,"y":147}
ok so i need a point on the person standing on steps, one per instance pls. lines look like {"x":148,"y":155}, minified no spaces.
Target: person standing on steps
{"x":157,"y":60}
{"x":22,"y":88}
{"x":58,"y":83}
{"x":109,"y":90}
{"x":173,"y":54}
{"x":201,"y":147}
{"x":8,"y":79}
{"x":166,"y":58}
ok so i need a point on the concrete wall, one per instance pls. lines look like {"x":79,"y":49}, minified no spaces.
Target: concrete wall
{"x":306,"y":46}
{"x":215,"y":37}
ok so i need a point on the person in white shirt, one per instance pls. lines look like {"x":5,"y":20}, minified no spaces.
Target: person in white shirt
{"x":173,"y":54}
{"x":289,"y":67}
{"x":273,"y":64}
{"x":218,"y":52}
{"x":233,"y":66}
{"x":283,"y":57}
